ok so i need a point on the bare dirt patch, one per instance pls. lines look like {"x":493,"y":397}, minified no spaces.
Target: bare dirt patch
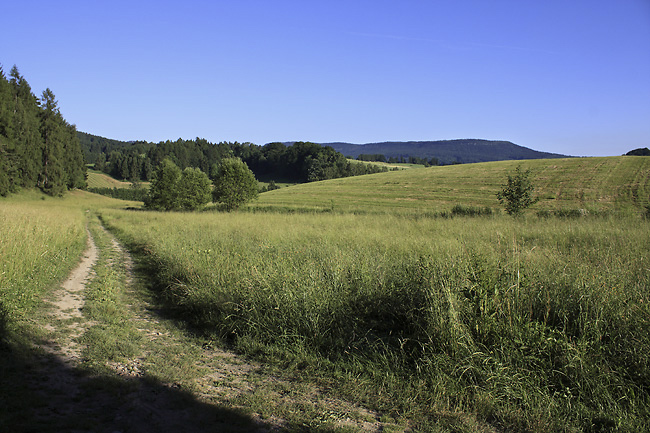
{"x":68,"y":302}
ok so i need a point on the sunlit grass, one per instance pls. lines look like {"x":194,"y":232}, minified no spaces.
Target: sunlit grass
{"x":537,"y":322}
{"x":614,"y":184}
{"x":98,"y":179}
{"x":41,"y":240}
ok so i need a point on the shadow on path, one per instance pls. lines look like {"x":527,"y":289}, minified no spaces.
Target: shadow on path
{"x":41,"y":393}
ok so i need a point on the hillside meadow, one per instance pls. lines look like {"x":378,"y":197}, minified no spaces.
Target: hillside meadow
{"x":612,"y":184}
{"x":522,"y":324}
{"x":97,"y":179}
{"x":531,"y":324}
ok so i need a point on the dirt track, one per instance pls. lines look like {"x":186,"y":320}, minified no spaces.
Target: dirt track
{"x":128,"y":399}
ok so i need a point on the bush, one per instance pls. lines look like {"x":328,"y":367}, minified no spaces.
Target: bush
{"x":163,"y":194}
{"x":194,"y":189}
{"x":460,"y":210}
{"x":516,"y":194}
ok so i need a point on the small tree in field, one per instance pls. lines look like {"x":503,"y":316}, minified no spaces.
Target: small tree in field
{"x":173,"y":189}
{"x":516,"y":194}
{"x":163,"y":193}
{"x":234,"y":184}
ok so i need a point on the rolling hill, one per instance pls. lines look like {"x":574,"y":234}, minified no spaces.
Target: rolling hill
{"x":596,"y":184}
{"x":446,"y":151}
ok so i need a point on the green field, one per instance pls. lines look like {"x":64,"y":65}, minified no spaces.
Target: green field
{"x":97,"y":179}
{"x":620,"y":184}
{"x":487,"y":323}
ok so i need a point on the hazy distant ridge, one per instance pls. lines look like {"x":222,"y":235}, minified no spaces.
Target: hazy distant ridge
{"x":446,"y":151}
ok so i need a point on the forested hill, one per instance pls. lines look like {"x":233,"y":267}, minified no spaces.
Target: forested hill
{"x":93,"y":145}
{"x":300,"y":162}
{"x":38,"y":148}
{"x":444,"y":151}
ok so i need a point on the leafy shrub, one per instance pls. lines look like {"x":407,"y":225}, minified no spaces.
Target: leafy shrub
{"x":460,"y":210}
{"x":516,"y":194}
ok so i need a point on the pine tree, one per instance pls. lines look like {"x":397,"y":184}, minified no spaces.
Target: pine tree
{"x":6,"y":124}
{"x":74,"y":163}
{"x":51,"y":179}
{"x":27,"y":141}
{"x":37,"y":146}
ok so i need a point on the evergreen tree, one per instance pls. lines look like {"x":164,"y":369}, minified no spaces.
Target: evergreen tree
{"x":37,"y":146}
{"x":27,"y":141}
{"x":6,"y":125}
{"x":75,"y":165}
{"x":52,"y":180}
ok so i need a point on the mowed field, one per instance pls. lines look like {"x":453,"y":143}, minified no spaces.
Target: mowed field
{"x":97,"y":179}
{"x":460,"y":324}
{"x":595,"y":184}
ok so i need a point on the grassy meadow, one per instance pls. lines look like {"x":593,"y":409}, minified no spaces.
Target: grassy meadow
{"x":612,"y":184}
{"x":98,"y":179}
{"x":40,"y":242}
{"x":531,"y":324}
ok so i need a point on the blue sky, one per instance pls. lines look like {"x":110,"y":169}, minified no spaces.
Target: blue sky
{"x":570,"y":77}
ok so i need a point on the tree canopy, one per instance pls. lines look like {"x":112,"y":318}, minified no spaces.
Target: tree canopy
{"x":173,"y":189}
{"x":38,"y":148}
{"x":298,"y":162}
{"x":234,"y":184}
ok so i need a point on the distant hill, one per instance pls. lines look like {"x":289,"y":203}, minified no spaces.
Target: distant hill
{"x":446,"y":151}
{"x":642,"y":151}
{"x":93,"y":145}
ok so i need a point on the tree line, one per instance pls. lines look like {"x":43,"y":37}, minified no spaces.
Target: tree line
{"x":296,"y":162}
{"x":380,"y":157}
{"x":38,"y":147}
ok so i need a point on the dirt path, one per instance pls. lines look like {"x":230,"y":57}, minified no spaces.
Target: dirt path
{"x":68,"y":302}
{"x":170,"y":383}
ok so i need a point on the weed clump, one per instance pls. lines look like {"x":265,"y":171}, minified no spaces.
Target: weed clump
{"x":460,"y":210}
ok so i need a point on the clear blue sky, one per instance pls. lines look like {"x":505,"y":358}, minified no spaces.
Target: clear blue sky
{"x":566,"y":76}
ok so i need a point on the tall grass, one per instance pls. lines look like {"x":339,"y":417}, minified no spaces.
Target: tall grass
{"x":38,"y":246}
{"x":539,"y":324}
{"x":41,"y":240}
